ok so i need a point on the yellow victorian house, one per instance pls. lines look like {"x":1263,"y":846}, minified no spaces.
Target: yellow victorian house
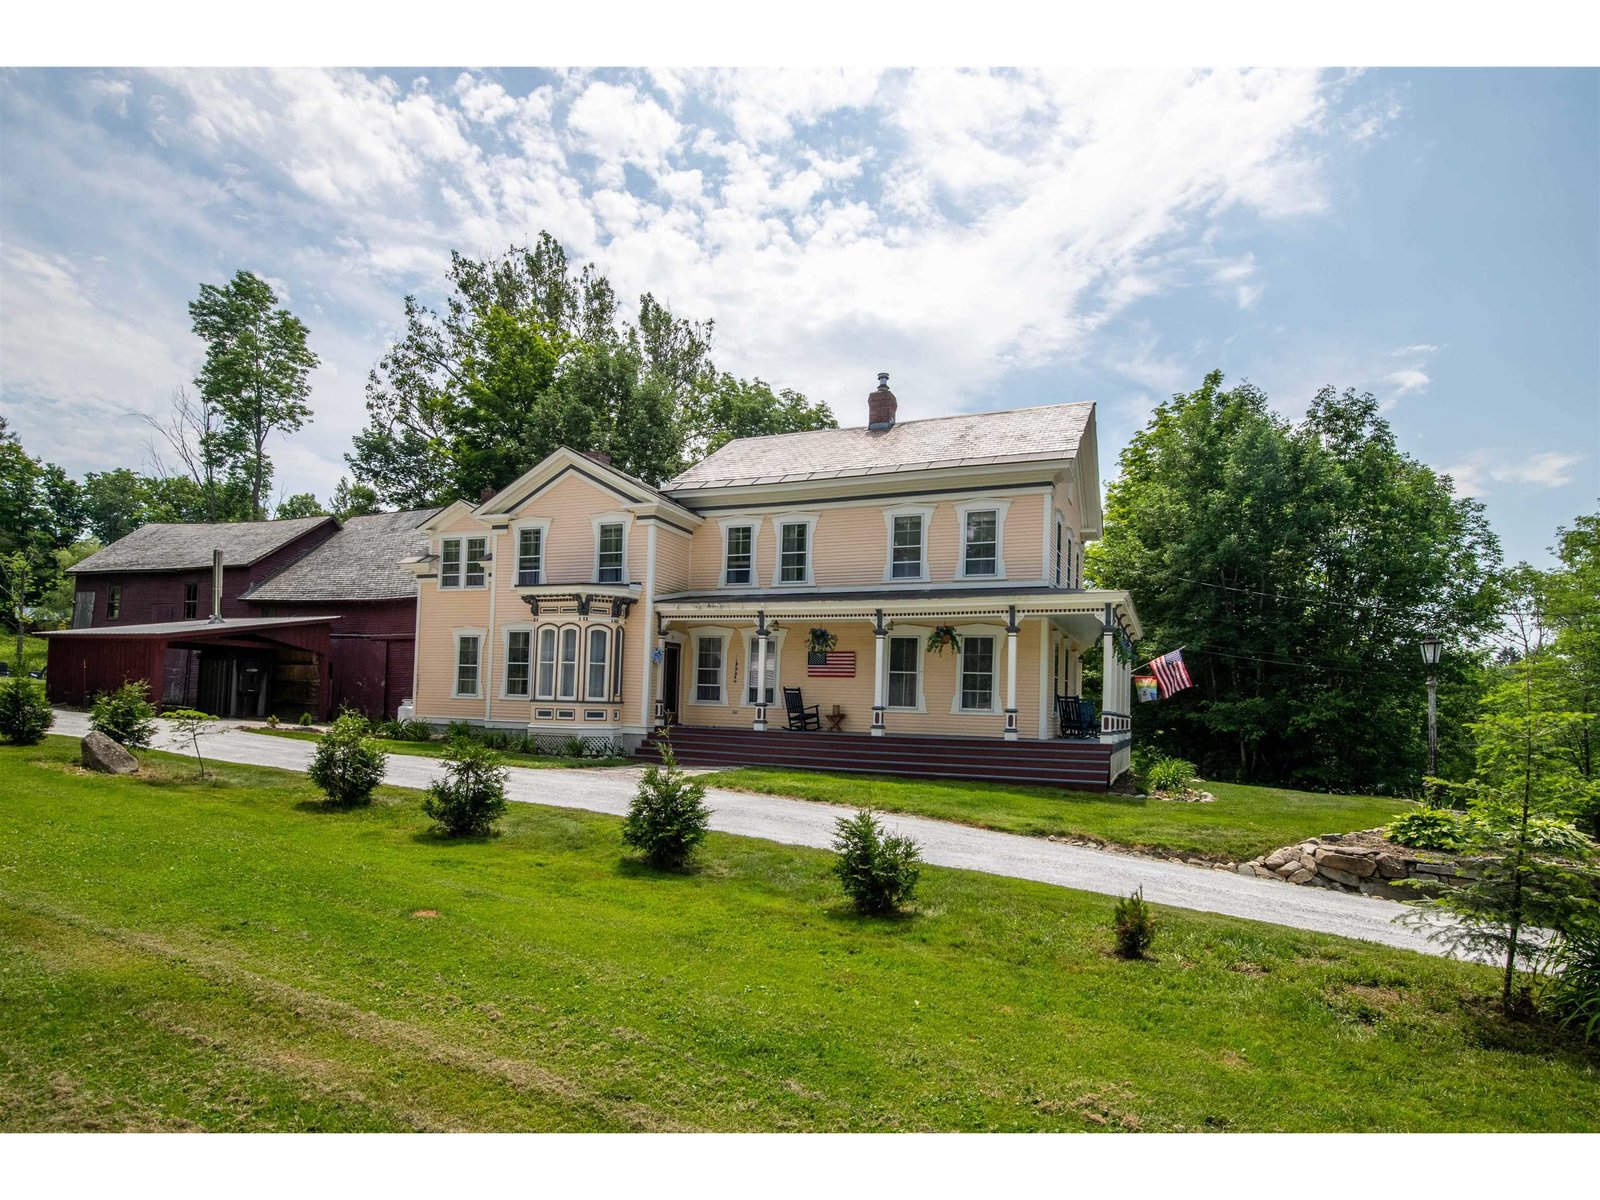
{"x":901,"y":597}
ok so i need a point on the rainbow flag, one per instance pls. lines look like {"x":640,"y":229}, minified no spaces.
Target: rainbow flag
{"x":1146,"y":688}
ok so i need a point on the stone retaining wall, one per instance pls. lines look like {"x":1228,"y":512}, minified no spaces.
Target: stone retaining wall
{"x":1359,"y":862}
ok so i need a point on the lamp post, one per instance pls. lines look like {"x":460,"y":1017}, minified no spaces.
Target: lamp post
{"x":1431,"y":648}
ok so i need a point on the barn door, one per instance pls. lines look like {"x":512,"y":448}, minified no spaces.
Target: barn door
{"x":359,"y":675}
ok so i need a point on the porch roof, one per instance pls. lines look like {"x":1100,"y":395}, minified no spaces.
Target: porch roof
{"x":189,"y":631}
{"x":1030,"y":601}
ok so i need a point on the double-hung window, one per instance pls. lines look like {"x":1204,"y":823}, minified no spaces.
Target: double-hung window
{"x":545,"y":687}
{"x":739,"y":557}
{"x":609,"y":554}
{"x":519,"y":666}
{"x":794,"y":552}
{"x":752,"y":667}
{"x":467,"y":646}
{"x":708,"y":670}
{"x":191,"y":601}
{"x":981,"y":543}
{"x":113,"y":602}
{"x":616,"y":666}
{"x":905,"y":550}
{"x":462,"y":562}
{"x":905,"y":663}
{"x":530,"y":557}
{"x":1060,"y":550}
{"x":569,"y":664}
{"x":977,"y":673}
{"x":598,"y":676}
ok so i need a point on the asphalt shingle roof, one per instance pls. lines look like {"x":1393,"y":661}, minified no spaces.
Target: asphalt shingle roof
{"x":1050,"y":432}
{"x":159,"y":547}
{"x":360,"y":562}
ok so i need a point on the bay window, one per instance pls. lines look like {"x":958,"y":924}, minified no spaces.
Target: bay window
{"x":569,"y":664}
{"x":546,"y":689}
{"x":598,"y":675}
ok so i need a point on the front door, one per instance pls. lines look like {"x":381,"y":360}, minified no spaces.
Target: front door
{"x":670,"y":668}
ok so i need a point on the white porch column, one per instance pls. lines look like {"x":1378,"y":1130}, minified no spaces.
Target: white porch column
{"x":760,"y":724}
{"x":1011,"y":674}
{"x":1109,"y":676}
{"x":879,"y":638}
{"x":658,"y":677}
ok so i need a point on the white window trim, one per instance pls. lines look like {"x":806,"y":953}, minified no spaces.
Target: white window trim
{"x":998,"y":633}
{"x":754,"y":525}
{"x":455,"y":661}
{"x":920,"y":634}
{"x":555,"y":663}
{"x":542,"y":524}
{"x":999,"y":508}
{"x":692,"y":695}
{"x":775,"y":655}
{"x":1058,"y":522}
{"x":610,"y":518}
{"x":577,"y":663}
{"x":925,"y":511}
{"x":809,"y":520}
{"x":488,"y":563}
{"x":605,"y":683}
{"x":505,"y":658}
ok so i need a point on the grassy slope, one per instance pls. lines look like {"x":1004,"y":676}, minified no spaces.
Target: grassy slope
{"x":1243,"y":822}
{"x":436,"y":749}
{"x":235,"y":956}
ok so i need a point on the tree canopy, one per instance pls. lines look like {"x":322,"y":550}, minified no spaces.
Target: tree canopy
{"x":527,"y":354}
{"x":1299,"y":566}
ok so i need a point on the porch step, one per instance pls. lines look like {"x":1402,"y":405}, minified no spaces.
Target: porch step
{"x":1079,"y":766}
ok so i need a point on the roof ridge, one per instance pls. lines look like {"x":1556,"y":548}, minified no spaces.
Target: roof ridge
{"x":988,"y":412}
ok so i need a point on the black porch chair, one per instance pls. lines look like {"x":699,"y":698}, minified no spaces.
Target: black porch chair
{"x":1076,"y":716}
{"x":800,"y":716}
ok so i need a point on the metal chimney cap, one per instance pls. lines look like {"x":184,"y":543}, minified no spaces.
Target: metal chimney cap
{"x":883,"y":380}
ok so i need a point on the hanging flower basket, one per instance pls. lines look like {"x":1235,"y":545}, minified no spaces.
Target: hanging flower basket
{"x":818,"y":643}
{"x":942,"y":636}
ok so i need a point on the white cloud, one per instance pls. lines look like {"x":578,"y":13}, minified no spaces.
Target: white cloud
{"x":616,"y":124}
{"x":1422,"y":348}
{"x":1474,"y":474}
{"x":1410,"y":379}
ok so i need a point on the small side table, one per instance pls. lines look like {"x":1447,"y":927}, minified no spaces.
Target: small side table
{"x":835,"y":719}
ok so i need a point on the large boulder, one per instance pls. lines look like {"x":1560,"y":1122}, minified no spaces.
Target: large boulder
{"x":97,"y":752}
{"x":1349,"y":864}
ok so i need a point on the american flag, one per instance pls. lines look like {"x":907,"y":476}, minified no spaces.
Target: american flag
{"x":835,"y":664}
{"x":1170,"y":673}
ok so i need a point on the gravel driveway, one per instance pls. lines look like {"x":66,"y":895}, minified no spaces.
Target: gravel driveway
{"x":806,"y":823}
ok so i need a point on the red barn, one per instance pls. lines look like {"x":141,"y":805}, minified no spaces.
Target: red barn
{"x":314,"y":616}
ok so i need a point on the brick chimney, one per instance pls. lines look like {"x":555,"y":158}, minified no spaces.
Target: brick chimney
{"x":881,"y":405}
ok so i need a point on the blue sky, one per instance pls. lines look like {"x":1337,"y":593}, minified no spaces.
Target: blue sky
{"x":993,"y":239}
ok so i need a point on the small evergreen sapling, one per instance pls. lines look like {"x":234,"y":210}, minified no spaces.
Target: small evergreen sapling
{"x":24,"y":712}
{"x":347,"y":765}
{"x":668,"y":817}
{"x":1134,"y":925}
{"x":126,"y":715}
{"x":472,"y":795}
{"x":879,"y":871}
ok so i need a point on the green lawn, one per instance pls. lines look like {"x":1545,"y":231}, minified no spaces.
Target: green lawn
{"x":1242,"y":823}
{"x":436,"y":750}
{"x":34,"y":651}
{"x":234,"y":956}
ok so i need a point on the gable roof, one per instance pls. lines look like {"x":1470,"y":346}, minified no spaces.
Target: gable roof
{"x":1046,"y":434}
{"x":159,"y":547}
{"x":564,"y":460}
{"x":360,"y":562}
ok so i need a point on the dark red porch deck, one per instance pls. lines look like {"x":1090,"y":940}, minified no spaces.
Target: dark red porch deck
{"x":1073,"y":765}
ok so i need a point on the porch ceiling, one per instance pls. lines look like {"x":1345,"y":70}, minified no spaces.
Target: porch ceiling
{"x":1082,"y":612}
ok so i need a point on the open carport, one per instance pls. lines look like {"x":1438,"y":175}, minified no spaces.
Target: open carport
{"x":238,"y":667}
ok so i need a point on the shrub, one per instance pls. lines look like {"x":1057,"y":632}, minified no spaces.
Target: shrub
{"x":573,"y":748}
{"x":457,"y":730}
{"x":472,"y":795}
{"x":24,"y":712}
{"x":347,"y":765}
{"x":1134,"y":925}
{"x":388,"y":730}
{"x":305,"y":720}
{"x":668,"y":817}
{"x":1167,"y":774}
{"x":125,"y":715}
{"x":1573,"y":991}
{"x":413,"y":731}
{"x":192,"y":724}
{"x":1429,"y":829}
{"x":272,"y":721}
{"x":879,"y":872}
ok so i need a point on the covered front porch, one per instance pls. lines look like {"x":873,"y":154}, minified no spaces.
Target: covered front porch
{"x":938,"y":678}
